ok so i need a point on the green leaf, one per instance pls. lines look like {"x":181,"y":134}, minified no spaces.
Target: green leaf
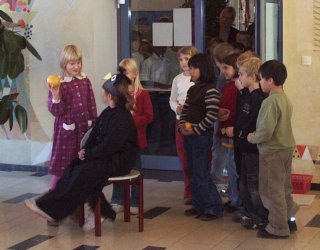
{"x":5,"y":16}
{"x":33,"y":51}
{"x":3,"y":65}
{"x":10,"y":117}
{"x":22,"y":118}
{"x":15,"y":64}
{"x":21,"y":41}
{"x":10,"y":40}
{"x":4,"y":114}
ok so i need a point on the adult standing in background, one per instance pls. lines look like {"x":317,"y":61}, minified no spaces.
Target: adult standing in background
{"x":223,"y":29}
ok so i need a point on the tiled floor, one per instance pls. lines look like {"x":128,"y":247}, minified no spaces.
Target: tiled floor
{"x":168,"y":229}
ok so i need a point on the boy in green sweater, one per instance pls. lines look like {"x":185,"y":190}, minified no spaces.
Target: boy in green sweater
{"x":276,"y":143}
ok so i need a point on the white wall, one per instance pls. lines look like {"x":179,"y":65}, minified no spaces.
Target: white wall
{"x":92,"y":25}
{"x":89,"y":24}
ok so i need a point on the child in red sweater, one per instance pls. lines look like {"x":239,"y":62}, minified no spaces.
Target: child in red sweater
{"x":229,"y":102}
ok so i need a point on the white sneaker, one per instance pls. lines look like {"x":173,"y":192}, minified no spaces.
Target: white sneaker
{"x":31,"y":204}
{"x":117,"y":207}
{"x":134,"y":210}
{"x":89,"y":222}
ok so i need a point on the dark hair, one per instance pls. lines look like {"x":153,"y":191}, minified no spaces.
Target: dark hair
{"x":205,"y":66}
{"x":117,"y":86}
{"x":231,"y":60}
{"x":275,"y":70}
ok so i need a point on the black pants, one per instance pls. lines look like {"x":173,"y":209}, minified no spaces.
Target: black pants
{"x":80,"y":183}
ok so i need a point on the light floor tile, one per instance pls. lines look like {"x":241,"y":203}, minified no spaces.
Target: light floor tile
{"x":170,"y":230}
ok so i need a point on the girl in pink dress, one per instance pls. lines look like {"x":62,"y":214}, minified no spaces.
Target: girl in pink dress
{"x":74,"y":108}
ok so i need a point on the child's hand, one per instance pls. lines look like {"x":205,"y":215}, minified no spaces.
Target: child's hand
{"x":179,"y":109}
{"x":250,"y":137}
{"x":223,"y":114}
{"x":186,"y":131}
{"x":81,"y":154}
{"x":229,"y":131}
{"x":238,"y":84}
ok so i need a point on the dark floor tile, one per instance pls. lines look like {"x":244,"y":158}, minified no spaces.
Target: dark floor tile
{"x":26,"y":168}
{"x":20,"y":198}
{"x":154,"y":212}
{"x":315,"y":222}
{"x":36,"y":240}
{"x":153,"y":248}
{"x":39,"y":174}
{"x":85,"y":247}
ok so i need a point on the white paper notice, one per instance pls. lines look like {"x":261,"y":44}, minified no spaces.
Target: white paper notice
{"x":182,"y":35}
{"x":162,"y":34}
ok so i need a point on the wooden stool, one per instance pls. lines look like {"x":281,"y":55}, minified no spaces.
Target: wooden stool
{"x":134,"y":177}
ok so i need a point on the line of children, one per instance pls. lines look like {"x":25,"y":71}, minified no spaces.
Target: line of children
{"x":180,"y":85}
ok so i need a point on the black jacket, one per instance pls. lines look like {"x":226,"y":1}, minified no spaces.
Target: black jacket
{"x":113,"y":140}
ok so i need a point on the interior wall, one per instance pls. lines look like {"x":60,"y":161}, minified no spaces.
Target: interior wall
{"x":302,"y":85}
{"x":151,"y":5}
{"x":92,"y":26}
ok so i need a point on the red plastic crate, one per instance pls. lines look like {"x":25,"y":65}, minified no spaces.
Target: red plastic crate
{"x":301,"y":183}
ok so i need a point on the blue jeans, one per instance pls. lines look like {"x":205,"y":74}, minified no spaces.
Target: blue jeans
{"x":249,"y":187}
{"x":233,"y":190}
{"x":205,"y":196}
{"x":118,"y":189}
{"x":218,"y":159}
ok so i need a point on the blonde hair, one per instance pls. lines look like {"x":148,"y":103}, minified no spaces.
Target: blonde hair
{"x":188,"y":50}
{"x":250,"y":65}
{"x":130,"y":65}
{"x":69,"y":53}
{"x":222,"y":50}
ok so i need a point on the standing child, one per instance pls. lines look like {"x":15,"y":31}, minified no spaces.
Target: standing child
{"x":224,"y":133}
{"x":180,"y":85}
{"x":255,"y":213}
{"x":142,"y":116}
{"x":74,"y":108}
{"x":276,"y":143}
{"x":201,"y":111}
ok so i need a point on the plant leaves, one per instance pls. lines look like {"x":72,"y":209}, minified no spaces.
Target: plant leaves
{"x":5,"y":16}
{"x":22,"y":118}
{"x":3,"y":65}
{"x":10,"y":40}
{"x":33,"y":50}
{"x":15,"y":64}
{"x":10,"y":117}
{"x":4,"y":115}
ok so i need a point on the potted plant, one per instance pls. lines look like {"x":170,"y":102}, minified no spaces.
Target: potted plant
{"x":11,"y":65}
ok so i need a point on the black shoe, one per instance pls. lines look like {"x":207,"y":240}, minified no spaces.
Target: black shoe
{"x":187,"y":201}
{"x":191,"y":212}
{"x":263,"y":233}
{"x":250,"y":223}
{"x":292,"y":226}
{"x":229,"y":208}
{"x":208,"y":217}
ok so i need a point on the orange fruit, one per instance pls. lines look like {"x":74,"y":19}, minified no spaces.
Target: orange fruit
{"x":53,"y":81}
{"x":188,"y":126}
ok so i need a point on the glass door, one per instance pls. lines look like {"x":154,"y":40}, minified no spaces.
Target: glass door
{"x":151,"y":32}
{"x":269,"y":33}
